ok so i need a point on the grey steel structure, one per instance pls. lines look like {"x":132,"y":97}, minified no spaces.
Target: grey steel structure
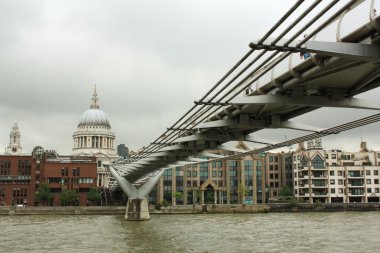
{"x":235,"y":109}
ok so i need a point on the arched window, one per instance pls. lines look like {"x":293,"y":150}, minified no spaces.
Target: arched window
{"x":317,"y":162}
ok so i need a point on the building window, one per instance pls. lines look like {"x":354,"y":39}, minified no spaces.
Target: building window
{"x":64,"y":171}
{"x":84,"y":180}
{"x":332,"y":181}
{"x":331,"y":173}
{"x":369,"y":190}
{"x":332,"y":190}
{"x":76,"y":172}
{"x":270,"y":167}
{"x":5,"y":167}
{"x":340,"y":173}
{"x":333,"y":156}
{"x":340,"y":191}
{"x":340,"y":182}
{"x":276,"y":167}
{"x":276,"y":176}
{"x":270,"y":158}
{"x":24,"y":167}
{"x":368,"y":181}
{"x":99,"y":163}
{"x":19,"y":196}
{"x":368,"y":172}
{"x":317,"y":162}
{"x":376,"y":172}
{"x":376,"y":181}
{"x":376,"y":190}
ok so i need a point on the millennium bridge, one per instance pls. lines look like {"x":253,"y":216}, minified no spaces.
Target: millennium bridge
{"x":269,"y":86}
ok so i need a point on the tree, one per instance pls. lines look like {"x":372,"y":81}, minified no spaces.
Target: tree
{"x":94,"y":195}
{"x":44,"y":196}
{"x":285,"y":191}
{"x":69,"y":197}
{"x":178,"y":195}
{"x":243,"y":192}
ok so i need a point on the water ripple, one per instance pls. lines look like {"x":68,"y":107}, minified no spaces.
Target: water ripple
{"x":271,"y":232}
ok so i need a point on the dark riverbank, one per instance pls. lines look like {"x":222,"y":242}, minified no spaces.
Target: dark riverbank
{"x":191,"y":209}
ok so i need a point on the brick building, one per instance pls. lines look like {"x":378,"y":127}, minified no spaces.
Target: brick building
{"x":68,"y":172}
{"x":17,"y":180}
{"x":21,"y":176}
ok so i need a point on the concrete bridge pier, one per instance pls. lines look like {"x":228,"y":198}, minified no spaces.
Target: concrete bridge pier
{"x":137,"y":207}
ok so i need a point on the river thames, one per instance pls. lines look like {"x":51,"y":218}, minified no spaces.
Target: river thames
{"x":264,"y":232}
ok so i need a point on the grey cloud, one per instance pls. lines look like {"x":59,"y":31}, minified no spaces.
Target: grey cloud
{"x":149,"y":59}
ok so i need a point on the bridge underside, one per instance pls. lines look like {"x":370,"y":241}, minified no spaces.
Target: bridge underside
{"x":331,"y":77}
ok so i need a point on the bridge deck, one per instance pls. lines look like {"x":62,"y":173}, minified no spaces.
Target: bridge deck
{"x":236,"y":110}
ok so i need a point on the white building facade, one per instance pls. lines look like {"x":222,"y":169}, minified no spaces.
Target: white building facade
{"x":95,"y":138}
{"x":336,"y":176}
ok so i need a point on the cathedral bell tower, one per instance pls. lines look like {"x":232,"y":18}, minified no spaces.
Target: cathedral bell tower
{"x":14,"y":147}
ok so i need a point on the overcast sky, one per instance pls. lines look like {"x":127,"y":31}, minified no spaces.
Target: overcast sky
{"x":149,"y":59}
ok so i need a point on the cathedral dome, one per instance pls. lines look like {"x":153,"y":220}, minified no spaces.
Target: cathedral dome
{"x":94,"y":117}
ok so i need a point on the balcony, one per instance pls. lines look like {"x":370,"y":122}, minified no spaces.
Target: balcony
{"x":319,"y":176}
{"x":318,"y":169}
{"x":320,"y":194}
{"x":356,"y":194}
{"x":356,"y":185}
{"x":355,"y":175}
{"x":320,"y":186}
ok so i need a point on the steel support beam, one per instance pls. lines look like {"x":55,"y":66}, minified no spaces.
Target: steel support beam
{"x":315,"y":101}
{"x":355,"y":51}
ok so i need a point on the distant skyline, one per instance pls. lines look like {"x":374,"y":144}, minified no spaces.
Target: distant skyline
{"x":149,"y":60}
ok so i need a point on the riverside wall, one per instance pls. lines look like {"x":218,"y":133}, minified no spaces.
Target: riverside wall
{"x":191,"y":209}
{"x":61,"y":210}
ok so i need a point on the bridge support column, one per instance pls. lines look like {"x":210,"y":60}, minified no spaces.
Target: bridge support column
{"x":137,"y":207}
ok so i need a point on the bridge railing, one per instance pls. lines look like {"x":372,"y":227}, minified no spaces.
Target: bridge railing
{"x":345,"y":24}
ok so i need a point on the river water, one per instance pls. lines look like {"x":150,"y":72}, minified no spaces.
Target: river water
{"x":266,"y":232}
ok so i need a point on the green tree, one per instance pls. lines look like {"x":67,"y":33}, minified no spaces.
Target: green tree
{"x":285,"y":191}
{"x":94,"y":195}
{"x":44,"y":196}
{"x":178,"y":196}
{"x":243,"y":192}
{"x":69,"y":197}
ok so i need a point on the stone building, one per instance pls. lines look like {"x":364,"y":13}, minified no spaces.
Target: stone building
{"x":336,"y":175}
{"x":252,"y":179}
{"x":95,"y":138}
